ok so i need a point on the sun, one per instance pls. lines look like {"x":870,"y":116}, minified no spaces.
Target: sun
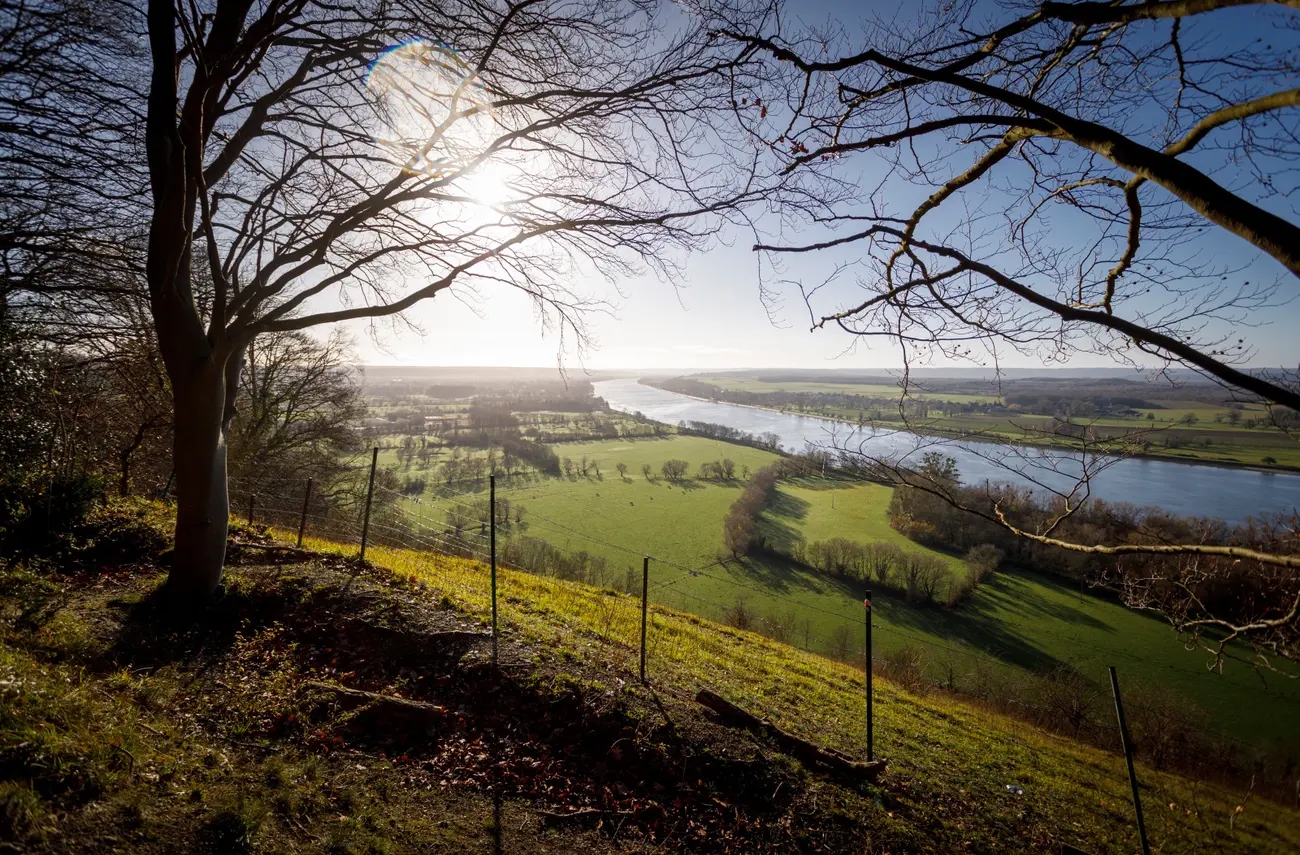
{"x":487,"y":185}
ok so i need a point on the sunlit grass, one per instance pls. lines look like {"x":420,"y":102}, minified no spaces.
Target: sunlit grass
{"x":946,"y":754}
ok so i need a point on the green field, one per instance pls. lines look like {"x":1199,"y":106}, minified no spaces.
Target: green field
{"x":818,"y":509}
{"x":879,"y":390}
{"x":1017,"y":621}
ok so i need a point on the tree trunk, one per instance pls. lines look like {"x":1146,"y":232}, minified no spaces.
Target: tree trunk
{"x":124,"y":458}
{"x":202,"y":505}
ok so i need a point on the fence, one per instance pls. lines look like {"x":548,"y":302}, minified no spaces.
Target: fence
{"x":452,"y":541}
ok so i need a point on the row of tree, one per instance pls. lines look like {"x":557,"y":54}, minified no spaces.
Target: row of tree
{"x":742,"y":530}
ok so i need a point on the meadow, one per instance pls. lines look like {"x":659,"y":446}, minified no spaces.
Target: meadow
{"x":954,"y":758}
{"x":1018,"y":621}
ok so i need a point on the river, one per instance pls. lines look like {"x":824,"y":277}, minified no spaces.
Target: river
{"x":1184,"y":488}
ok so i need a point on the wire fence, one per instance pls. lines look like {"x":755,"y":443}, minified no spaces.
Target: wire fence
{"x":458,"y":544}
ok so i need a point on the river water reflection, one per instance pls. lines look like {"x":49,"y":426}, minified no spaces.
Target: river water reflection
{"x":1183,"y":488}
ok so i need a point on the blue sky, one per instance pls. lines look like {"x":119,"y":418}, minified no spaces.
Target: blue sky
{"x":714,"y":318}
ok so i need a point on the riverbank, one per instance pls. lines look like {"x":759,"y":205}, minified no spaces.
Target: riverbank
{"x":999,"y":439}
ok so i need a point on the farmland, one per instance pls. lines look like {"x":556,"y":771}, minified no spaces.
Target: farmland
{"x":1016,"y":623}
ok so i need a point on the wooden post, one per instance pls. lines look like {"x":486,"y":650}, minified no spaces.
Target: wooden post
{"x":302,"y":522}
{"x":370,"y":497}
{"x":871,"y":748}
{"x":645,"y":607}
{"x":1128,"y":758}
{"x":252,"y":499}
{"x":492,"y":543}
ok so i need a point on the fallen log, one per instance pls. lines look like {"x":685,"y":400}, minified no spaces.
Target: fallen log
{"x":806,"y":752}
{"x":387,"y":708}
{"x":582,"y":816}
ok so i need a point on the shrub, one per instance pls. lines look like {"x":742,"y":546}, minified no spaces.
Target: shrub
{"x":39,"y":514}
{"x":1072,"y":701}
{"x":234,"y":828}
{"x":22,"y":813}
{"x":740,"y":615}
{"x":982,"y":560}
{"x":906,"y":667}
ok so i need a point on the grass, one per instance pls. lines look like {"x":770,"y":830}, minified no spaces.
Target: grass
{"x":1026,"y":622}
{"x":187,"y":731}
{"x":818,"y":509}
{"x":951,"y":761}
{"x":679,"y":522}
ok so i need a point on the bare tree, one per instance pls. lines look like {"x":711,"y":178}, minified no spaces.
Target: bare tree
{"x":1140,"y":124}
{"x":68,"y":83}
{"x":328,"y":163}
{"x":299,"y":412}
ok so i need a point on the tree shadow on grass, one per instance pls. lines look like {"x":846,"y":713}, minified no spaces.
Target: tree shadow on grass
{"x":779,"y":576}
{"x":997,"y":593}
{"x":782,"y":504}
{"x":828,"y":482}
{"x":987,"y":636}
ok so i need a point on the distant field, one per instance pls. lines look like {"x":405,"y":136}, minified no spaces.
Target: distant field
{"x":1022,"y":621}
{"x":678,"y":522}
{"x":875,"y":390}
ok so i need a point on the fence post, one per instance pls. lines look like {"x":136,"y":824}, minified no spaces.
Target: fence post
{"x":645,"y":606}
{"x":302,"y":522}
{"x":252,"y":499}
{"x":492,"y":544}
{"x":1128,"y":759}
{"x":370,"y":497}
{"x":871,"y":748}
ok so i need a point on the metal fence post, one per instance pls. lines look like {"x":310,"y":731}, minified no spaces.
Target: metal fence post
{"x":1128,"y":759}
{"x":645,"y":607}
{"x":492,"y":543}
{"x":871,"y":748}
{"x":302,"y":522}
{"x":370,"y":497}
{"x":252,"y":499}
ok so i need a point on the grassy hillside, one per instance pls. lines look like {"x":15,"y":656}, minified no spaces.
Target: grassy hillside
{"x":950,"y":763}
{"x":318,"y":705}
{"x":1029,"y":622}
{"x":1014,"y":624}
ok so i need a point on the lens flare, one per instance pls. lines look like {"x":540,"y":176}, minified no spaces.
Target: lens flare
{"x":427,"y":101}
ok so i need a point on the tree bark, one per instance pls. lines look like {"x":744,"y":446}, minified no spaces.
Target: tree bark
{"x":202,"y":504}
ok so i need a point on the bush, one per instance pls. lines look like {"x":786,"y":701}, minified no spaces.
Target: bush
{"x":1072,"y":702}
{"x":906,"y":667}
{"x":740,"y":615}
{"x":234,"y":828}
{"x":982,"y":560}
{"x":1166,"y":728}
{"x":40,"y":514}
{"x":120,"y":534}
{"x":22,"y":813}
